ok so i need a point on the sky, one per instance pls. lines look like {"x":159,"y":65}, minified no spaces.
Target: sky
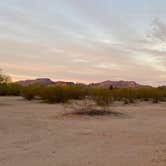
{"x":84,"y":40}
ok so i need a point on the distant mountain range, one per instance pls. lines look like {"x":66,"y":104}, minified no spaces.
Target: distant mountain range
{"x":44,"y":82}
{"x":118,"y":84}
{"x":105,"y":84}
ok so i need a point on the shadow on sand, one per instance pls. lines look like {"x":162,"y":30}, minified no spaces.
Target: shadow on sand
{"x":96,"y":113}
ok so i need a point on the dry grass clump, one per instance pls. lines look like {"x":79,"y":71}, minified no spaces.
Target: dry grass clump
{"x":89,"y":107}
{"x":96,"y":103}
{"x":97,"y":112}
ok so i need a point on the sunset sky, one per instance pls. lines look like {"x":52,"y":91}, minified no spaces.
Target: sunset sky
{"x":84,"y":40}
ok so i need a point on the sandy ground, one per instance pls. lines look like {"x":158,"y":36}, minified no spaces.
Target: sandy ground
{"x":35,"y":134}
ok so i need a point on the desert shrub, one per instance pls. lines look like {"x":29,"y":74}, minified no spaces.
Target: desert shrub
{"x":155,"y":101}
{"x":102,"y":97}
{"x":88,"y":107}
{"x":54,"y":94}
{"x":13,"y":89}
{"x":4,"y":79}
{"x":144,"y":94}
{"x":162,"y":87}
{"x":151,"y":93}
{"x":81,"y":106}
{"x":76,"y":92}
{"x":145,"y":99}
{"x":7,"y":88}
{"x":95,"y":101}
{"x":126,"y":101}
{"x":131,"y":100}
{"x":10,"y":89}
{"x":3,"y":89}
{"x":61,"y":94}
{"x":31,"y":91}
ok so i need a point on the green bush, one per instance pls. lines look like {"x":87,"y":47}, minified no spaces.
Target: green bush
{"x":76,"y":92}
{"x":4,"y":79}
{"x":31,"y":91}
{"x":61,"y":94}
{"x":10,"y":89}
{"x":102,"y":96}
{"x":144,"y":94}
{"x":53,"y":94}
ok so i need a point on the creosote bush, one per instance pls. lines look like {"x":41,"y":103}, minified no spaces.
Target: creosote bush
{"x":10,"y":89}
{"x":62,"y":94}
{"x":7,"y":88}
{"x":101,"y":96}
{"x":144,"y":94}
{"x":4,"y":79}
{"x":54,"y":94}
{"x":31,"y":91}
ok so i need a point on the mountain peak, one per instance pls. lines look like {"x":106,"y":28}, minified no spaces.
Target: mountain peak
{"x":41,"y":81}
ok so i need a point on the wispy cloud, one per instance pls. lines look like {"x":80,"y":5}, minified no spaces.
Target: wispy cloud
{"x":84,"y":40}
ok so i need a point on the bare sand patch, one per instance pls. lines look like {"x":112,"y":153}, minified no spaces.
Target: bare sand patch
{"x":37,"y":134}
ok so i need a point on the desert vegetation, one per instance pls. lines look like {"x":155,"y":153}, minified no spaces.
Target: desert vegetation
{"x":7,"y":88}
{"x":102,"y":96}
{"x":10,"y":89}
{"x":92,"y":100}
{"x":89,"y":96}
